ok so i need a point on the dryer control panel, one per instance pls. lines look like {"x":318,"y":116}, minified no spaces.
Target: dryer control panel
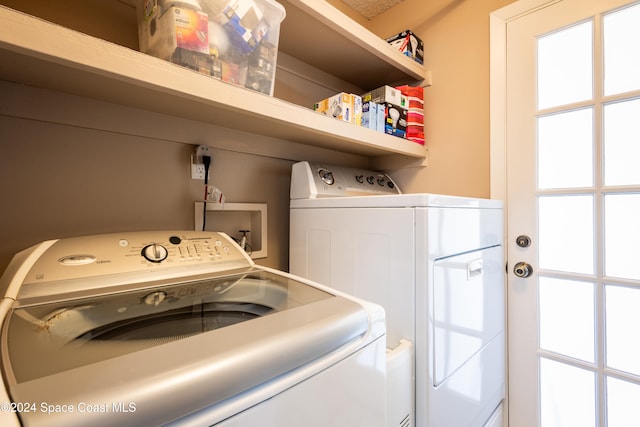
{"x":315,"y":180}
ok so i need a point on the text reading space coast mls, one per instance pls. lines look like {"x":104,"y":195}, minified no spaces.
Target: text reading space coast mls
{"x":58,"y":408}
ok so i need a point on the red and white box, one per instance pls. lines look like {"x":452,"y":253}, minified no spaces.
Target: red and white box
{"x":415,"y":114}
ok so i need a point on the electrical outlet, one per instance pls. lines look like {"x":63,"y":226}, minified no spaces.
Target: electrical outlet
{"x":197,"y":171}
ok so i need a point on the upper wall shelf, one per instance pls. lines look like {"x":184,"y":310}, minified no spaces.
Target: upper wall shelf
{"x":318,"y":34}
{"x":38,"y":53}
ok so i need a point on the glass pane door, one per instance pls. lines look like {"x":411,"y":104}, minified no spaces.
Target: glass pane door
{"x":573,"y":186}
{"x":588,"y":205}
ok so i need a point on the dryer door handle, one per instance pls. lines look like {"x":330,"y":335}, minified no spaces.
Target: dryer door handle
{"x":474,"y":268}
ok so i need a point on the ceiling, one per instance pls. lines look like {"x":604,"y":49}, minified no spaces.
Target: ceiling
{"x":371,"y":8}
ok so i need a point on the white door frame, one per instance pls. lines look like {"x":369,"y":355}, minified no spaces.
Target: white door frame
{"x":498,"y":115}
{"x":498,"y":21}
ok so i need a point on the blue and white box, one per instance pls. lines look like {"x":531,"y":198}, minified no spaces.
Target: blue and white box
{"x":370,"y":115}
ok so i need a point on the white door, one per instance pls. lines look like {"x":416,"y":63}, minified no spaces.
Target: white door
{"x":573,"y":187}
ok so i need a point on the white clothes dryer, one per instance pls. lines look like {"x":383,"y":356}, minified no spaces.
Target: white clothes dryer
{"x":435,"y":263}
{"x":181,"y":328}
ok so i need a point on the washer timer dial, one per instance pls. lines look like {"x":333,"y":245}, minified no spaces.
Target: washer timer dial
{"x":155,"y":252}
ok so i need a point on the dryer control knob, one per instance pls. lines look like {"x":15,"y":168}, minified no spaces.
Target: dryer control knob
{"x":155,"y":252}
{"x":326,"y":176}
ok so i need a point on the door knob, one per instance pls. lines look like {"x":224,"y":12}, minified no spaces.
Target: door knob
{"x":522,"y":269}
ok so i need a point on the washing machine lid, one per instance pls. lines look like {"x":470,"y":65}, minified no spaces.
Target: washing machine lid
{"x":172,"y":347}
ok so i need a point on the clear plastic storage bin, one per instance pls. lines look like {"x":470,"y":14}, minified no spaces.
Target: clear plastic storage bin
{"x":232,"y":40}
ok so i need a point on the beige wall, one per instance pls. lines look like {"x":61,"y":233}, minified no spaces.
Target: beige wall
{"x":59,"y":180}
{"x":92,"y":167}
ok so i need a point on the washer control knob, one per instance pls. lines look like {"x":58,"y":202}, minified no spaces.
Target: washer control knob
{"x":155,"y":298}
{"x":155,"y":252}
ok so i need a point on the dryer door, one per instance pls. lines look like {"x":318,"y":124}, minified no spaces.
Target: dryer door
{"x":467,"y":308}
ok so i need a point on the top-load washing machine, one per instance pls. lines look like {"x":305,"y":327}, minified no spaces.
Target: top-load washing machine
{"x":435,"y":263}
{"x":181,"y":328}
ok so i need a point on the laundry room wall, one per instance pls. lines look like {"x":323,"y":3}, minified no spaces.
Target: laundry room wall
{"x":73,"y":166}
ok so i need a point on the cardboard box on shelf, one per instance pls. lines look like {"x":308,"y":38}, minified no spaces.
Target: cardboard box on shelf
{"x":415,"y":114}
{"x":341,"y":106}
{"x":395,"y":120}
{"x":357,"y":109}
{"x":380,"y":121}
{"x":385,"y":94}
{"x":414,"y":94}
{"x":409,"y":44}
{"x":373,"y":115}
{"x":370,"y":115}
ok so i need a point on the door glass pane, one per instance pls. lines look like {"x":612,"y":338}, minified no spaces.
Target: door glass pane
{"x":566,"y":233}
{"x":565,"y":153}
{"x":567,"y":395}
{"x":565,"y":70}
{"x":568,"y":335}
{"x":623,"y":328}
{"x":621,"y":235}
{"x":622,"y":142}
{"x":622,"y":403}
{"x":622,"y":50}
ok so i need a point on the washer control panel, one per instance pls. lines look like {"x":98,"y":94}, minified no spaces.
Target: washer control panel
{"x":109,"y":255}
{"x":313,"y":180}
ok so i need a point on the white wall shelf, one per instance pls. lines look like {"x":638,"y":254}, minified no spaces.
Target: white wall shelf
{"x":318,"y":34}
{"x":41,"y":54}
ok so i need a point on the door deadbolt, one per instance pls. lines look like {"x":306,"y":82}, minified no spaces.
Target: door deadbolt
{"x":522,"y":269}
{"x":523,"y":241}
